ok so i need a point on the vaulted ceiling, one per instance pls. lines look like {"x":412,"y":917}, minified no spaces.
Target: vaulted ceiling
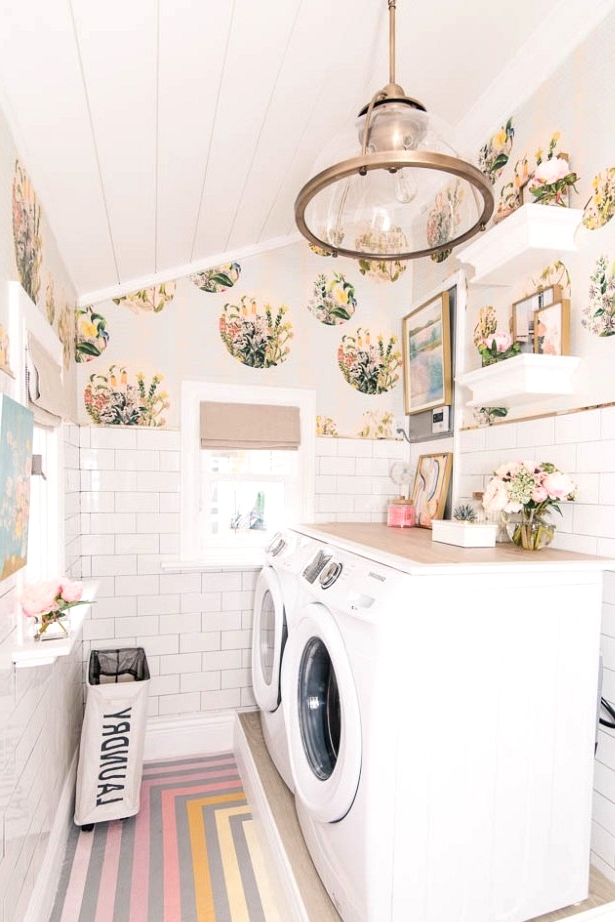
{"x":163,"y":135}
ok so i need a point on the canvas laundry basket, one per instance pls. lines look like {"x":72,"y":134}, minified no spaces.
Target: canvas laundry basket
{"x":112,"y":737}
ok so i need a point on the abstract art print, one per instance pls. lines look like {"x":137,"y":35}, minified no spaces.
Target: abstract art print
{"x":16,"y":428}
{"x":430,"y":489}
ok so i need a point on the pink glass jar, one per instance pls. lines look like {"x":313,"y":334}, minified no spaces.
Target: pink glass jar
{"x":400,"y":514}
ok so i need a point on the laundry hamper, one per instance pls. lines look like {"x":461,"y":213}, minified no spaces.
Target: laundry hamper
{"x":112,"y":737}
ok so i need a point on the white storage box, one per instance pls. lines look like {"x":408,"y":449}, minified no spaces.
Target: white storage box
{"x":112,"y":737}
{"x":463,"y":534}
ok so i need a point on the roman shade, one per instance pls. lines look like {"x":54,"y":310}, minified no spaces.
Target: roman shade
{"x":249,"y":426}
{"x":46,"y":393}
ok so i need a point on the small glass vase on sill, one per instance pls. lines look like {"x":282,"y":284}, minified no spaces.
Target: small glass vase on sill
{"x":47,"y":603}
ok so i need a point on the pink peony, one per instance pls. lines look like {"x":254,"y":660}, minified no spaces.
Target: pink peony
{"x":40,"y":598}
{"x":539,"y":494}
{"x":559,"y":486}
{"x":550,"y":171}
{"x":496,"y":499}
{"x":503,"y":341}
{"x":70,"y":591}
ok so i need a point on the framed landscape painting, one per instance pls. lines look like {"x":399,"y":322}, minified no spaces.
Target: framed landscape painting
{"x":16,"y":428}
{"x":427,"y":355}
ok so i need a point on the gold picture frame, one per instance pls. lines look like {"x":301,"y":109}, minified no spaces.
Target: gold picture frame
{"x":552,"y":329}
{"x":427,"y":355}
{"x":430,"y":490}
{"x":523,"y":311}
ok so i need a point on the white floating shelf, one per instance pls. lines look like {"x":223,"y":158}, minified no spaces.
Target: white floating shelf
{"x":521,"y":245}
{"x":522,"y":379}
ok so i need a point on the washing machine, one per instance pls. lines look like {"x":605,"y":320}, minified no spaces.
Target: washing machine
{"x":433,"y":780}
{"x":276,"y":589}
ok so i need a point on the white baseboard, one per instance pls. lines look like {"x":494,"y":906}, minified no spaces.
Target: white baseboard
{"x":287,"y":891}
{"x":46,"y":884}
{"x":195,"y":734}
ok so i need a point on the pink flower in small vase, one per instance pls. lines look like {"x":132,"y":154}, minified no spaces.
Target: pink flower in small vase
{"x":70,"y":591}
{"x":503,"y":341}
{"x":40,"y":598}
{"x":539,"y":494}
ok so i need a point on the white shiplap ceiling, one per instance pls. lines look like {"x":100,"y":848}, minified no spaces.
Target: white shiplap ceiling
{"x":162,"y":135}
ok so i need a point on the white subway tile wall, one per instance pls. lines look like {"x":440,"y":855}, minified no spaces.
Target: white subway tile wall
{"x":583,"y":445}
{"x":194,"y":626}
{"x":39,"y":736}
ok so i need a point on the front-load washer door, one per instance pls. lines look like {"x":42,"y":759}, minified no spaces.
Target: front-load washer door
{"x":321,"y":711}
{"x":268,"y":640}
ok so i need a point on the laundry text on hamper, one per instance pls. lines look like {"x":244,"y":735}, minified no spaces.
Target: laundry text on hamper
{"x":114,"y":753}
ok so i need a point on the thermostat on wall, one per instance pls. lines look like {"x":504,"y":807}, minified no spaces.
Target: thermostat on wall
{"x":439,"y":419}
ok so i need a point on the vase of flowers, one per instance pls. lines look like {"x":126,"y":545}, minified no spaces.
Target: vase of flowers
{"x":525,"y":493}
{"x":47,"y":602}
{"x":497,"y":347}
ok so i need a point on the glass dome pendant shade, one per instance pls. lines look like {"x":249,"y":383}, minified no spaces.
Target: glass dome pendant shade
{"x":397,"y":189}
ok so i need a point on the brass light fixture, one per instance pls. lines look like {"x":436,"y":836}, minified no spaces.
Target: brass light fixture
{"x":398,"y":192}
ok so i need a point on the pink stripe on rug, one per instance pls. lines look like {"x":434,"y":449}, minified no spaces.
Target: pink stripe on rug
{"x":108,"y":877}
{"x":171,"y":882}
{"x":78,"y":875}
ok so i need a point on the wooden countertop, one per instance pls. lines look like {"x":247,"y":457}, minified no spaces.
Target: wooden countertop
{"x":413,"y":550}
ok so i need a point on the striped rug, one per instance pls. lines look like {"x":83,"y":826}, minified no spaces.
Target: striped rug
{"x":190,"y":855}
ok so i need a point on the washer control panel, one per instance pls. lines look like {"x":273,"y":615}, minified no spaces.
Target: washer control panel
{"x":330,"y":573}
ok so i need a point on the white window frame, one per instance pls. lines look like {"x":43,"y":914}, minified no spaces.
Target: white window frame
{"x":192,"y":395}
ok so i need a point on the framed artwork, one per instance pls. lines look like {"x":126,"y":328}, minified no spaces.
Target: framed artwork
{"x":427,"y":355}
{"x":430,"y":489}
{"x":16,"y":428}
{"x":552,"y":329}
{"x":523,"y":312}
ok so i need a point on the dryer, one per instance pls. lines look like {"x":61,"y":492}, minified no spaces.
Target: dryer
{"x":274,"y":600}
{"x":433,"y":781}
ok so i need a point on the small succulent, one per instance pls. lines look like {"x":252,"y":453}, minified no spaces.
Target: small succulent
{"x":464,"y":513}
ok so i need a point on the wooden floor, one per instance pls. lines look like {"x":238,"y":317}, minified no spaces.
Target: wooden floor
{"x":319,"y":907}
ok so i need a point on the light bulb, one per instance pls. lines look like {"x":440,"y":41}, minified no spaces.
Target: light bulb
{"x":404,"y":187}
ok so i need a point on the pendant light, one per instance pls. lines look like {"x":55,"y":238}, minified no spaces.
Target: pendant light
{"x":397,"y":189}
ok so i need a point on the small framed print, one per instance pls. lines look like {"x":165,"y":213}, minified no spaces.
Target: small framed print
{"x":430,"y":488}
{"x":523,"y":311}
{"x":552,"y":329}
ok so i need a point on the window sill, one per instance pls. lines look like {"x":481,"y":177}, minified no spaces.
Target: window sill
{"x":32,"y":652}
{"x":224,"y":559}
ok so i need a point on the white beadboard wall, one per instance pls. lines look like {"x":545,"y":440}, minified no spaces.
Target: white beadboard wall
{"x":194,"y":626}
{"x":583,"y":445}
{"x":40,"y":736}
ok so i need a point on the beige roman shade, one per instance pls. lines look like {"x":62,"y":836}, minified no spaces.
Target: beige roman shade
{"x":46,"y":393}
{"x":249,"y":425}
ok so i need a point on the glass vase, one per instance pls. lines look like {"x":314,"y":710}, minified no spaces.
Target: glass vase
{"x":530,"y":533}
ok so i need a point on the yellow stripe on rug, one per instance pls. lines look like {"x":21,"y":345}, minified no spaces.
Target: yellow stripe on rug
{"x":203,"y":892}
{"x":263,"y":881}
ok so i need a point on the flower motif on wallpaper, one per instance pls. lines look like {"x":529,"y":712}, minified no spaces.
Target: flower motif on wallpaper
{"x":320,"y":251}
{"x":376,"y":424}
{"x":325,"y":426}
{"x":554,"y":274}
{"x":370,"y":367}
{"x":601,"y":206}
{"x":92,"y":336}
{"x":253,"y":335}
{"x":148,"y":299}
{"x":334,"y":300}
{"x":50,"y":300}
{"x":65,"y":327}
{"x":5,"y":351}
{"x":217,"y":279}
{"x":391,"y":241}
{"x":27,"y":232}
{"x":111,"y":400}
{"x":493,"y":155}
{"x":443,"y":219}
{"x":599,"y":315}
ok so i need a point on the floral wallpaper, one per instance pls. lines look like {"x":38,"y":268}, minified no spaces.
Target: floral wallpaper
{"x":255,"y":335}
{"x":334,"y":299}
{"x":367,"y":365}
{"x":27,"y":232}
{"x":153,"y":299}
{"x":112,"y":400}
{"x":218,"y":279}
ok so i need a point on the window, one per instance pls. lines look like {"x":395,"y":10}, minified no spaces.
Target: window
{"x":234,"y":495}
